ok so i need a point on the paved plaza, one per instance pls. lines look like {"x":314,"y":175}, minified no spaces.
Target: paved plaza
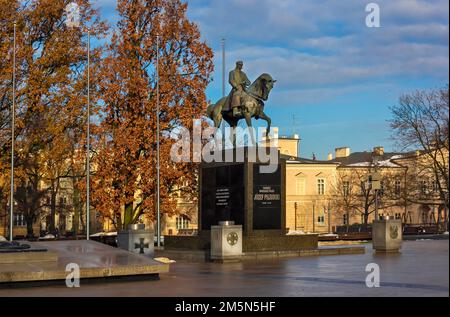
{"x":422,"y":269}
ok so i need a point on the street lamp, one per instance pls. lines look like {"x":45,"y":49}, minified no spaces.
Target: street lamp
{"x":158,"y":211}
{"x":73,"y":21}
{"x":13,"y":114}
{"x":375,"y":182}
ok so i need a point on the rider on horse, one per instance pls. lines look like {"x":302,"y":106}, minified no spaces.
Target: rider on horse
{"x":239,"y":81}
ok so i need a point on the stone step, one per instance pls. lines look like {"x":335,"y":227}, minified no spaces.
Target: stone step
{"x":27,"y":257}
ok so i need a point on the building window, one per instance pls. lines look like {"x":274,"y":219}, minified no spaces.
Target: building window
{"x":345,"y":220}
{"x":182,"y":222}
{"x":346,"y":188}
{"x":300,"y":185}
{"x":398,"y":187}
{"x":321,"y":186}
{"x":423,"y":187}
{"x":19,"y":220}
{"x":62,"y":201}
{"x":424,"y":217}
{"x":436,"y":186}
{"x":321,"y":219}
{"x":398,"y":216}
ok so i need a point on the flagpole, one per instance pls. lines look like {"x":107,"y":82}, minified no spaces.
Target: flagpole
{"x":88,"y":146}
{"x":223,"y":67}
{"x":158,"y":211}
{"x":13,"y":111}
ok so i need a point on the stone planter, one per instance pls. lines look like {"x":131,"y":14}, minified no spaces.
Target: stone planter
{"x":137,"y":239}
{"x":387,"y":235}
{"x":226,"y":242}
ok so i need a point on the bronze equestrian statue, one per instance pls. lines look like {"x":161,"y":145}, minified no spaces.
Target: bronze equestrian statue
{"x":246,"y":101}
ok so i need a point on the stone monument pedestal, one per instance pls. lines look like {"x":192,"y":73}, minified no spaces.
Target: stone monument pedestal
{"x":241,"y":191}
{"x":226,"y":242}
{"x":387,"y":235}
{"x":137,"y":239}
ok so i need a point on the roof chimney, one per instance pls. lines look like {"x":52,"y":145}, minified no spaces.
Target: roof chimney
{"x":330,"y":157}
{"x":342,"y":152}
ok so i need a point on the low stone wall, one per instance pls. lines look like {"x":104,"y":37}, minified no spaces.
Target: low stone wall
{"x":187,"y":243}
{"x":280,"y":243}
{"x":204,"y":255}
{"x":258,"y":243}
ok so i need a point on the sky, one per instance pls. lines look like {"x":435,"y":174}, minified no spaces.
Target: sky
{"x":336,"y":77}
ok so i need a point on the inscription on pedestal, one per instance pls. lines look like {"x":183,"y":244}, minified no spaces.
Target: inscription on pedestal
{"x":242,"y":193}
{"x":266,"y":200}
{"x":222,"y":195}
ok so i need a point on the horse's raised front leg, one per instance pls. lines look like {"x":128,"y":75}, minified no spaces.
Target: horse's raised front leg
{"x":248,"y":119}
{"x":269,"y":122}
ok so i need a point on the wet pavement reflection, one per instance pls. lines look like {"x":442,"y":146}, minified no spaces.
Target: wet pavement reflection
{"x":422,"y":269}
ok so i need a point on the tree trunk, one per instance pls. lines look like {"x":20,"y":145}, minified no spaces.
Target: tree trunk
{"x":348,"y":220}
{"x":77,"y":208}
{"x":128,"y":216}
{"x":446,"y":217}
{"x":52,"y":225}
{"x":366,"y":217}
{"x":30,"y":233}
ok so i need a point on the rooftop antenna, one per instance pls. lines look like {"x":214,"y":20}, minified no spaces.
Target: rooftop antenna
{"x":294,"y":124}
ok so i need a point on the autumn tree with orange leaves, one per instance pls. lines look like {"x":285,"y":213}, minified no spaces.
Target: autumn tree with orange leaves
{"x":51,"y":97}
{"x":124,"y":184}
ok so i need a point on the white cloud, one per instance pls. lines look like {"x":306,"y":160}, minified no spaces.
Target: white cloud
{"x":324,"y":47}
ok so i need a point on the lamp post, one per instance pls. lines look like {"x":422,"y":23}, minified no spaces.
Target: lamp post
{"x":88,"y":139}
{"x":73,"y":21}
{"x":375,"y":182}
{"x":295,"y":211}
{"x":13,"y":111}
{"x":314,"y":216}
{"x":158,"y":211}
{"x":329,"y":218}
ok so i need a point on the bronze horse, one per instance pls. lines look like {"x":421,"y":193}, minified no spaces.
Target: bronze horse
{"x":252,"y":106}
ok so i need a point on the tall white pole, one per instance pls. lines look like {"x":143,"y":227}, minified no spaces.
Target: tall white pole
{"x":158,"y":211}
{"x":13,"y":114}
{"x":88,"y":145}
{"x":223,"y":88}
{"x":223,"y":67}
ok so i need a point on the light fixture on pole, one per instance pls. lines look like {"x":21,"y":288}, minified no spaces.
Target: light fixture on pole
{"x":158,"y":211}
{"x":13,"y":115}
{"x":73,"y":21}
